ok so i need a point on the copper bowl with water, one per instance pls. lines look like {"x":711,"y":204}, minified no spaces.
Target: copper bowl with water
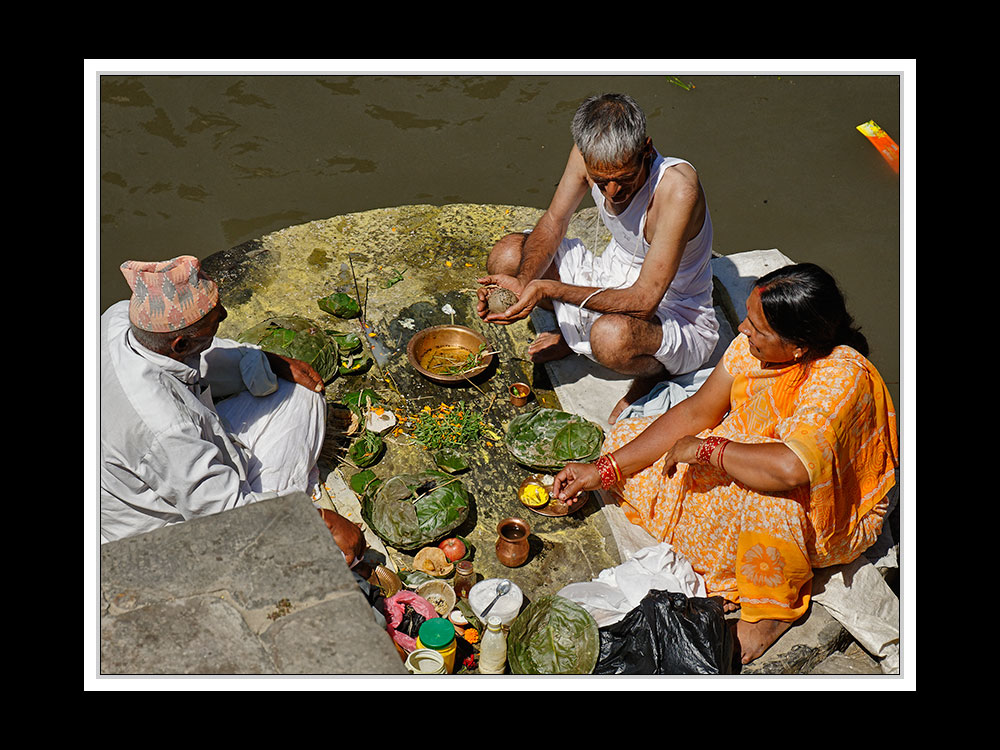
{"x":449,"y":353}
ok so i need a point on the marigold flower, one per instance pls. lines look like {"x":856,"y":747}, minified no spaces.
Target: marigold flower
{"x":471,"y":635}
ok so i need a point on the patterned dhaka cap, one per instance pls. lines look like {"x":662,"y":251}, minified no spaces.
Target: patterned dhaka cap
{"x":168,"y":295}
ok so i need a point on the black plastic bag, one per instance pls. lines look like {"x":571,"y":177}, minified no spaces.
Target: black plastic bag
{"x":668,"y":633}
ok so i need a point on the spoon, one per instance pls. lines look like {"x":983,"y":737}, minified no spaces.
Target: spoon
{"x":502,"y":588}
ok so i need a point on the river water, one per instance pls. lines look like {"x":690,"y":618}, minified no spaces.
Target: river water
{"x":196,"y":163}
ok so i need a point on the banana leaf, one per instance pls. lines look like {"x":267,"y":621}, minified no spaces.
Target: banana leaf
{"x":298,"y":338}
{"x":547,"y":439}
{"x":450,"y":461}
{"x":339,"y":305}
{"x":366,"y":450}
{"x":349,"y":343}
{"x":361,"y":481}
{"x":553,"y":635}
{"x":359,"y":401}
{"x":409,"y":511}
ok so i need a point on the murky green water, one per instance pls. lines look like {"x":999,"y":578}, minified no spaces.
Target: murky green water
{"x":200,"y":163}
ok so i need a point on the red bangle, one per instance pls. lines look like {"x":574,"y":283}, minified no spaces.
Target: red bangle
{"x":707,"y":448}
{"x":608,"y":471}
{"x":721,"y":451}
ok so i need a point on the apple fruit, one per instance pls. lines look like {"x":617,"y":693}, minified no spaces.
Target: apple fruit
{"x":453,"y":548}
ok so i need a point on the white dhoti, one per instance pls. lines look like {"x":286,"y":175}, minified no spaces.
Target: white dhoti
{"x":689,"y":332}
{"x":283,"y":433}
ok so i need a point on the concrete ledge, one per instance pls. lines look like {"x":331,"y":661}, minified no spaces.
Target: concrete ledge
{"x":257,"y":590}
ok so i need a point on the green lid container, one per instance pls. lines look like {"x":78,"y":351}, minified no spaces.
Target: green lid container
{"x":436,"y":633}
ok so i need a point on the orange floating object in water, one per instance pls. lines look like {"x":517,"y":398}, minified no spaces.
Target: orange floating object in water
{"x":883,"y":142}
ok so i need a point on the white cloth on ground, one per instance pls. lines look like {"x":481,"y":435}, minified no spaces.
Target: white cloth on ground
{"x":859,"y":598}
{"x":617,"y":591}
{"x":666,"y":394}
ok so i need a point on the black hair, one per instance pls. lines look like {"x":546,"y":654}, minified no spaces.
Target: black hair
{"x":804,"y":305}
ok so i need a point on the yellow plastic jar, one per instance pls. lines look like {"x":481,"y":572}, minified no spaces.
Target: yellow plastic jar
{"x":439,"y":634}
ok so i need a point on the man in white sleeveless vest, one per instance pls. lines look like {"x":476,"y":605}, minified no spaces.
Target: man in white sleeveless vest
{"x":643,"y":306}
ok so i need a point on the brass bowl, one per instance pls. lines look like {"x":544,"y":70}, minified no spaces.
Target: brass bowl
{"x":446,"y":340}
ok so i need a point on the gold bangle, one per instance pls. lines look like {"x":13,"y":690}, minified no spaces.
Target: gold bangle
{"x":614,"y":463}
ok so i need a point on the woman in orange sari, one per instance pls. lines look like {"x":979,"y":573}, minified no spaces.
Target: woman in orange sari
{"x":780,"y":463}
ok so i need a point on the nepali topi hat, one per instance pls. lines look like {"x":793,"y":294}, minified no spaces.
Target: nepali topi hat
{"x":168,"y":295}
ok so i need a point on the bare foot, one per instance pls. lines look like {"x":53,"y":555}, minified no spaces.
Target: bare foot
{"x":639,"y":388}
{"x":548,"y":346}
{"x":757,"y":637}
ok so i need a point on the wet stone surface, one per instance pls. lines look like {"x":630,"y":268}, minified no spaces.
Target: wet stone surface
{"x":412,"y":268}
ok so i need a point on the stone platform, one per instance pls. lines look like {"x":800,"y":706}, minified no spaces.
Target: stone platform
{"x":262,"y":590}
{"x":259,"y":590}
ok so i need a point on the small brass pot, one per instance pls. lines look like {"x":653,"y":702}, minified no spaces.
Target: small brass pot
{"x":512,"y":541}
{"x":519,"y":394}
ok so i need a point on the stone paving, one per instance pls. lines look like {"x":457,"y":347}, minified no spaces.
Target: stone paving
{"x":263,"y":590}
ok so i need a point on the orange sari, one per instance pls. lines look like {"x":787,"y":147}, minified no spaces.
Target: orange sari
{"x":755,"y":549}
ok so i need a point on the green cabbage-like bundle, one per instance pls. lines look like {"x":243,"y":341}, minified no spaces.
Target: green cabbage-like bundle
{"x":547,"y":439}
{"x":297,"y":338}
{"x":408,"y":511}
{"x":553,"y":635}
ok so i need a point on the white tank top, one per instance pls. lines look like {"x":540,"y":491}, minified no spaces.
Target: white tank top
{"x":692,"y":285}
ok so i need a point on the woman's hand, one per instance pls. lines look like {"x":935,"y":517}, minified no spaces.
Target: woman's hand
{"x":296,"y":371}
{"x":575,"y":479}
{"x":684,"y":451}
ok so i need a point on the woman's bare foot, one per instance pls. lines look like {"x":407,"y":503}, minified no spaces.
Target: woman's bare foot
{"x":639,"y":388}
{"x":755,"y":638}
{"x":548,"y":346}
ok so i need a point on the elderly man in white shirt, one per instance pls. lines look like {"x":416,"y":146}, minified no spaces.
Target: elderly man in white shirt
{"x":171,"y":450}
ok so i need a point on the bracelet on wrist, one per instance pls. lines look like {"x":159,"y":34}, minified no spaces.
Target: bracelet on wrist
{"x":707,"y":449}
{"x":608,"y":470}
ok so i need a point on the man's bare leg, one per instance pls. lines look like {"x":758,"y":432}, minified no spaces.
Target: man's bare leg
{"x":625,"y":344}
{"x":754,"y":638}
{"x":505,"y":257}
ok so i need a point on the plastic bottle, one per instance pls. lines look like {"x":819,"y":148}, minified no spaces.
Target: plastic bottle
{"x":493,"y":648}
{"x":439,"y":634}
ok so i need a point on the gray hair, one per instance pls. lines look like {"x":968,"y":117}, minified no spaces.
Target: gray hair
{"x":609,"y":129}
{"x":155,"y":341}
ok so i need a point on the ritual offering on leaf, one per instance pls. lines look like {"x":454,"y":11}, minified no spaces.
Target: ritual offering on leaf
{"x":434,"y":562}
{"x":297,"y":338}
{"x":366,"y":449}
{"x":354,"y":358}
{"x":547,"y":439}
{"x":340,"y":305}
{"x":413,"y":510}
{"x":553,"y":635}
{"x":450,"y":461}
